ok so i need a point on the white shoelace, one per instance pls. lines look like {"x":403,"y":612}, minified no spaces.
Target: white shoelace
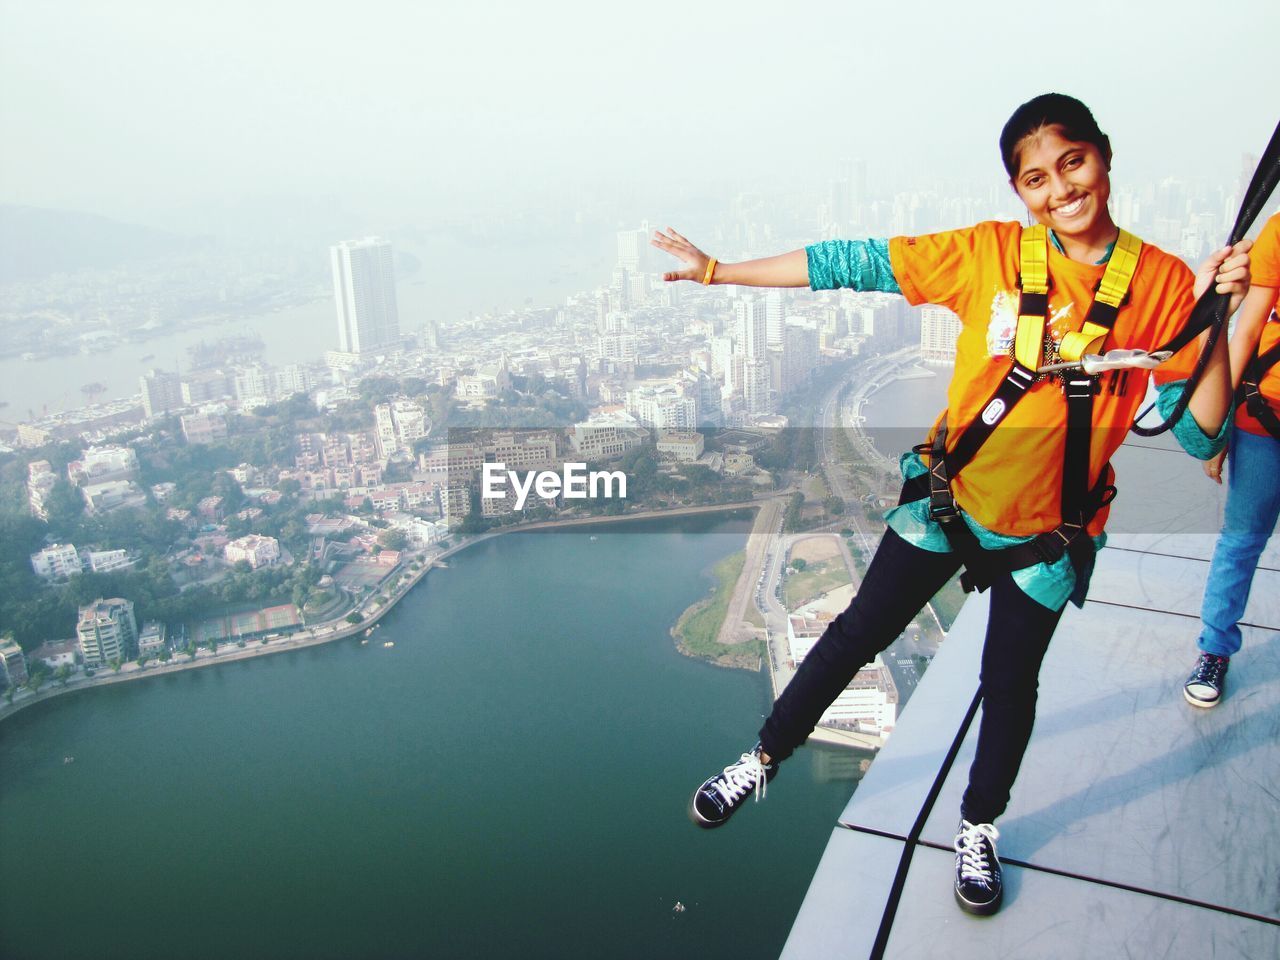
{"x":972,"y":851}
{"x":747,"y":774}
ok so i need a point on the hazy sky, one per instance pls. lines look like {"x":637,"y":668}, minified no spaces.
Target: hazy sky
{"x":148,"y":110}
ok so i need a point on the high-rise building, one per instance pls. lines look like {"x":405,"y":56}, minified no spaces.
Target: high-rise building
{"x":800,"y":352}
{"x":292,"y":379}
{"x":253,"y":385}
{"x":774,"y":312}
{"x":663,"y":407}
{"x":161,"y":392}
{"x":633,"y":248}
{"x":364,"y":291}
{"x":106,"y":631}
{"x":755,"y":387}
{"x":752,"y":329}
{"x":619,"y":347}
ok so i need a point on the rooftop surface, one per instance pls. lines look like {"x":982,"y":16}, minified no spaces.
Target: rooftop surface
{"x":1140,"y":826}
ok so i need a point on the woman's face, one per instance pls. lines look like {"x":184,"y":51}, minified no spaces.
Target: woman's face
{"x":1064,"y":183}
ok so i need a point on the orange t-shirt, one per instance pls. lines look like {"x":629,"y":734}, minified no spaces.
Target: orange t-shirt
{"x":1013,"y":485}
{"x":1265,"y":270}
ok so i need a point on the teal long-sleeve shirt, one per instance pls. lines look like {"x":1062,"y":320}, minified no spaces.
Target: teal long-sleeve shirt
{"x":864,"y":265}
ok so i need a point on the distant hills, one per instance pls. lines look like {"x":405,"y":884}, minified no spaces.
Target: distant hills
{"x":36,"y":242}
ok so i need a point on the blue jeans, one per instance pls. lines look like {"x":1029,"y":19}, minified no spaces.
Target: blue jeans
{"x":1253,"y":504}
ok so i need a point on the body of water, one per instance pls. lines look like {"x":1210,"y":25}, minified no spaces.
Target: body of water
{"x":452,"y":282}
{"x":900,"y":414}
{"x":508,"y":780}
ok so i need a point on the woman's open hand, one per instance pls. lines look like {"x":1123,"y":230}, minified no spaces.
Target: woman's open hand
{"x":1229,"y":268}
{"x":671,"y":242}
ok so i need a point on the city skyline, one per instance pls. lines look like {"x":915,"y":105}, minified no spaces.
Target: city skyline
{"x":463,"y":114}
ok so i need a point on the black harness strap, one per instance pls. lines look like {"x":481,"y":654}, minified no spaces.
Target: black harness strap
{"x":1210,"y":311}
{"x":1079,"y":390}
{"x":1250,"y":394}
{"x":1011,"y":389}
{"x":983,"y":565}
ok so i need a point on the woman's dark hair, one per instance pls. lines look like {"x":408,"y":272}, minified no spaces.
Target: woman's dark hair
{"x":1051,"y":109}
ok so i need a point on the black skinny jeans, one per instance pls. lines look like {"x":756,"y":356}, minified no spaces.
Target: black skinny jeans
{"x":898,"y":584}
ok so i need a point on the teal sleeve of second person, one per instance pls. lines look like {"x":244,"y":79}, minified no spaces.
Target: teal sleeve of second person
{"x":853,"y":264}
{"x":1186,"y":431}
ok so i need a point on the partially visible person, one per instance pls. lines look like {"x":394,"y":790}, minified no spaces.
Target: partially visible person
{"x":1252,"y":460}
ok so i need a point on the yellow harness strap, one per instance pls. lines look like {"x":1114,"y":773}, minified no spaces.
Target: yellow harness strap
{"x":1029,"y":340}
{"x":1028,"y":343}
{"x":1111,"y":291}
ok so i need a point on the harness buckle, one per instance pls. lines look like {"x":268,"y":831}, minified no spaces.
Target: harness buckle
{"x":944,"y":511}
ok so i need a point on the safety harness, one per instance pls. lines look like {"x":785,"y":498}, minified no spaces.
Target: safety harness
{"x":1250,"y":395}
{"x":1031,"y":343}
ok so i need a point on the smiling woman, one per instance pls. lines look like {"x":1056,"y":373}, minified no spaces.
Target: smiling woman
{"x":1059,"y":163}
{"x":1013,"y":482}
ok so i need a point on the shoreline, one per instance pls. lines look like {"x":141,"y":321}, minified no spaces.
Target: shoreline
{"x":329,"y":632}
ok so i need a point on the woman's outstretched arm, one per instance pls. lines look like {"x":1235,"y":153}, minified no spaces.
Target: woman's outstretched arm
{"x":786,"y":270}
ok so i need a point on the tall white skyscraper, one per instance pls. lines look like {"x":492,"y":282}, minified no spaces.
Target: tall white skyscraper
{"x":749,"y":312}
{"x":774,"y":313}
{"x":364,"y":291}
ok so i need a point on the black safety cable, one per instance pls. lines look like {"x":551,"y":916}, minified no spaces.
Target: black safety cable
{"x":1210,"y":311}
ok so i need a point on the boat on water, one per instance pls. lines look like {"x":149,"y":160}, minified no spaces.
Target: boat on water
{"x":594,"y":538}
{"x":389,"y":643}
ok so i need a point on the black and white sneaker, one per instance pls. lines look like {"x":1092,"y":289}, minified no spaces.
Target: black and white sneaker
{"x":716,"y":800}
{"x":979,"y":884}
{"x":1204,"y":687}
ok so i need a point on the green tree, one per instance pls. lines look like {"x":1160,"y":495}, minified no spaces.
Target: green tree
{"x":62,"y":674}
{"x":799,"y":563}
{"x":354,"y":617}
{"x":792,"y":516}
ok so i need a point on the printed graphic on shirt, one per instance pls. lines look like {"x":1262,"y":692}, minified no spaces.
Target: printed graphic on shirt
{"x":1004,"y":322}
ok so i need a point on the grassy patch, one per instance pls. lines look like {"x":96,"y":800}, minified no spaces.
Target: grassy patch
{"x":813,"y":581}
{"x":698,"y":628}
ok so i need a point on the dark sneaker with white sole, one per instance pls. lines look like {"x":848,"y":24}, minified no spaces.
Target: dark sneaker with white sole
{"x":1204,"y":687}
{"x":720,"y":796}
{"x":979,"y":884}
